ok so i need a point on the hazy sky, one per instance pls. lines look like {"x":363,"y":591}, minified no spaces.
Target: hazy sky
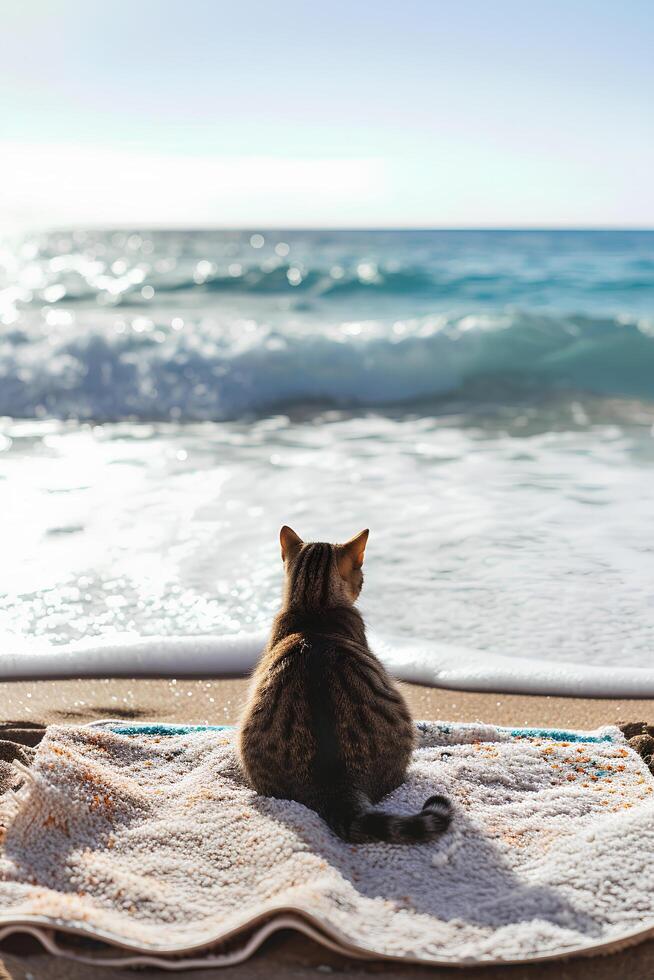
{"x":358,"y":113}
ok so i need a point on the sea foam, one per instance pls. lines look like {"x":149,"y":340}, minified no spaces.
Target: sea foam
{"x":436,"y":665}
{"x":151,"y":371}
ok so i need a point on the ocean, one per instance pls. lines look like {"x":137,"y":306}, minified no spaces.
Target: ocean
{"x":483,"y":401}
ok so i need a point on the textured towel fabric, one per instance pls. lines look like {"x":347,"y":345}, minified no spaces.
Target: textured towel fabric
{"x":10,"y":752}
{"x":150,"y":839}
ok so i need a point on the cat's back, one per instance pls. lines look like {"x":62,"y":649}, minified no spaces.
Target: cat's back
{"x":275,"y":741}
{"x":322,"y":703}
{"x":371,"y":720}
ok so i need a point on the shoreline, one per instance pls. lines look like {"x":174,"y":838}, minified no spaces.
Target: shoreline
{"x":440,"y":665}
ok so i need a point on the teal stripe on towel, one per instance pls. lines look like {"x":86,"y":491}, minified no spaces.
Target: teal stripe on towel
{"x":166,"y":729}
{"x":556,"y":734}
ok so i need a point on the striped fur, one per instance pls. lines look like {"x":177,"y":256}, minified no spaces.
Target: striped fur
{"x":325,"y":725}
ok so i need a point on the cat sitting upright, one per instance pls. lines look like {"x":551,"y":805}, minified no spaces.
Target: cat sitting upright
{"x":325,"y":725}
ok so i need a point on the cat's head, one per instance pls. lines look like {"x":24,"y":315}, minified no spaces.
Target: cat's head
{"x":318,"y":574}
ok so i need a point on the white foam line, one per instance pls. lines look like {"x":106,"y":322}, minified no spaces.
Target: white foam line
{"x":437,"y":665}
{"x":156,"y":656}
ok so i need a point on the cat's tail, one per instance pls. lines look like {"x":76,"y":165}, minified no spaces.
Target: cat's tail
{"x":353,"y":817}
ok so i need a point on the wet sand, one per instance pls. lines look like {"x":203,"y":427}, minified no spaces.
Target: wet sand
{"x":219,"y":702}
{"x":27,"y":706}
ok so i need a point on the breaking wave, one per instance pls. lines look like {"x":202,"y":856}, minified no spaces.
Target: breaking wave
{"x":153,"y":372}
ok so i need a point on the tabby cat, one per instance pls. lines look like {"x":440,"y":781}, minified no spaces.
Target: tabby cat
{"x":325,"y":725}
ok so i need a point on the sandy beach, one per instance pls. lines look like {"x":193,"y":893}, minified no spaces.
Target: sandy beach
{"x":29,"y":706}
{"x":216,"y":701}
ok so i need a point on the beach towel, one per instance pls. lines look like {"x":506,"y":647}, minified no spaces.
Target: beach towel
{"x":143,"y":844}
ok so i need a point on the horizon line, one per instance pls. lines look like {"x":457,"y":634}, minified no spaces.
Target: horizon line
{"x":120,"y":226}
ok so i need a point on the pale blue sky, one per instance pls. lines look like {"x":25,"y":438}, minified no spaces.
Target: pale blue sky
{"x":298,"y":113}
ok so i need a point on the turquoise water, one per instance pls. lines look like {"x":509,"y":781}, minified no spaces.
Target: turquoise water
{"x":483,"y":401}
{"x":216,"y":325}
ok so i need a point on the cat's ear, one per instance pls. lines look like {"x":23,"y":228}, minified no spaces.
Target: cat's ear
{"x":290,"y":542}
{"x":355,"y":548}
